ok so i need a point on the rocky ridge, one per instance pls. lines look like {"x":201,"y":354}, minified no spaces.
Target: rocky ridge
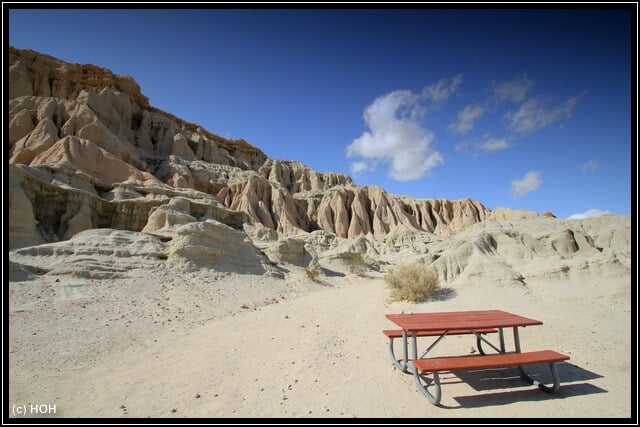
{"x":87,"y":151}
{"x":94,"y":131}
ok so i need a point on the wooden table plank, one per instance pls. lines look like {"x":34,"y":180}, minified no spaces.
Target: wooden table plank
{"x":474,"y":319}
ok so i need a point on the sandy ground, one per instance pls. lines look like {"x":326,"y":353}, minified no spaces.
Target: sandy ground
{"x":260,"y":347}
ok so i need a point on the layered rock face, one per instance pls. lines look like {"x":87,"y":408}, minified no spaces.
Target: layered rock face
{"x":88,"y":151}
{"x":88,"y":154}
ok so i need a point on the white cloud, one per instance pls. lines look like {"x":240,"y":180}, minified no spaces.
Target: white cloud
{"x":494,"y":144}
{"x":442,"y":89}
{"x":589,"y":165}
{"x":489,"y":145}
{"x":514,"y":90}
{"x":466,"y":118}
{"x":463,"y":146}
{"x":529,"y":183}
{"x":533,"y":115}
{"x":358,"y":167}
{"x":396,"y":136}
{"x":591,"y":213}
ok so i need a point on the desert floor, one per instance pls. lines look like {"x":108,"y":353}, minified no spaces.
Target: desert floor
{"x":261,"y":347}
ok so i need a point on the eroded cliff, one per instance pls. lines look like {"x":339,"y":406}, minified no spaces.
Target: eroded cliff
{"x":92,"y":153}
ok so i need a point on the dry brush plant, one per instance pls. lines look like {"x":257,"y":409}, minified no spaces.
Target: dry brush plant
{"x":356,"y":263}
{"x":411,"y":282}
{"x":312,"y":273}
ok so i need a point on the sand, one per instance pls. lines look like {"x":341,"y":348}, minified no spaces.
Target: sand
{"x":263,"y":347}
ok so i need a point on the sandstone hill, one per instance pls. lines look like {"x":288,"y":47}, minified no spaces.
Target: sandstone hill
{"x":87,"y":152}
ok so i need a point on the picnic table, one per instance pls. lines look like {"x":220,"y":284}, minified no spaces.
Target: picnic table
{"x":480,"y":323}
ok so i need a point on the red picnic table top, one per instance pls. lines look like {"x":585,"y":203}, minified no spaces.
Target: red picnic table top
{"x":456,"y":320}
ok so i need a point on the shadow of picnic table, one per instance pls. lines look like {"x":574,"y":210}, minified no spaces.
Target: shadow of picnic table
{"x":572,"y":379}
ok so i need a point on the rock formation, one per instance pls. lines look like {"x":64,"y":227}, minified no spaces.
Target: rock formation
{"x":93,"y":137}
{"x":87,"y":151}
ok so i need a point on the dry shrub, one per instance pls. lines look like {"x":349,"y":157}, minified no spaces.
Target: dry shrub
{"x":411,"y":282}
{"x":356,"y":263}
{"x":312,"y":273}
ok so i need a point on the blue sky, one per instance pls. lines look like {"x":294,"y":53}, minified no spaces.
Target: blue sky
{"x":526,"y":109}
